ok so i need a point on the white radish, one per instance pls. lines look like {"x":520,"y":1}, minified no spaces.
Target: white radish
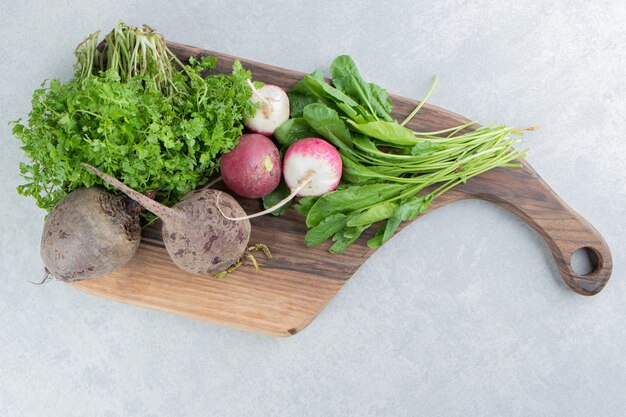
{"x":311,"y":167}
{"x":273,"y":110}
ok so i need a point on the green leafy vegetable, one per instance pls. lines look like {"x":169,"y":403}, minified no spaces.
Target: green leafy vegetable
{"x":385,"y":163}
{"x":305,"y":204}
{"x":345,"y":238}
{"x":301,"y":96}
{"x":406,"y":211}
{"x":327,"y":123}
{"x":325,"y":229}
{"x":279,"y":193}
{"x":381,"y":100}
{"x":349,"y":200}
{"x":389,"y":132}
{"x":292,"y":130}
{"x":376,"y":213}
{"x":347,"y":78}
{"x":152,"y":133}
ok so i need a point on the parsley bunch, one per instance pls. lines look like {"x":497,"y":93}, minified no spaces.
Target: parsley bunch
{"x":151,"y":138}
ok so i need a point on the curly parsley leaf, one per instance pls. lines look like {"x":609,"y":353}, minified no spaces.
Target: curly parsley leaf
{"x":133,"y":131}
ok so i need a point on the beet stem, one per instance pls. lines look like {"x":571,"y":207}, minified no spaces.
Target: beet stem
{"x":149,"y":204}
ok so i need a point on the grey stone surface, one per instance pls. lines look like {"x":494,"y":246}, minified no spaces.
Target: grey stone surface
{"x":462,"y":314}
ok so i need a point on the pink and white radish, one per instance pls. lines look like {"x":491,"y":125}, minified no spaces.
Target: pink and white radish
{"x":273,"y":110}
{"x":252,"y":169}
{"x":312,"y":155}
{"x":311,"y":167}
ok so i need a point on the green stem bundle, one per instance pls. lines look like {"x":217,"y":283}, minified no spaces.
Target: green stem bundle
{"x":385,"y":164}
{"x":129,"y":52}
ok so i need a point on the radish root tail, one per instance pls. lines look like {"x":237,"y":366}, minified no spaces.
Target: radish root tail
{"x":256,"y":92}
{"x":302,"y":183}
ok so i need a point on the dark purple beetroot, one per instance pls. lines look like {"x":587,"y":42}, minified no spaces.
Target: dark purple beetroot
{"x":197,"y":237}
{"x":201,"y":240}
{"x":89,"y":234}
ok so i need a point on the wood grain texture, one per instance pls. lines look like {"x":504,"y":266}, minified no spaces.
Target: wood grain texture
{"x":298,"y":282}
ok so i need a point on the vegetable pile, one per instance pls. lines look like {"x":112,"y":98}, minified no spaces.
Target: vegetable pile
{"x":137,"y":112}
{"x":144,"y":122}
{"x":385,"y":164}
{"x":131,"y":112}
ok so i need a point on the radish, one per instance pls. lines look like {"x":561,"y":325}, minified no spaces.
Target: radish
{"x":197,"y":238}
{"x":311,"y":167}
{"x":252,"y":169}
{"x":312,"y":155}
{"x":273,"y":111}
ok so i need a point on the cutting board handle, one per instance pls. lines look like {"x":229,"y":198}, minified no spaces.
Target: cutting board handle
{"x":524,"y":193}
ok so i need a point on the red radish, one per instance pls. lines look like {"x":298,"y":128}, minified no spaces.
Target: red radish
{"x":274,"y":109}
{"x":252,"y":169}
{"x":311,"y":167}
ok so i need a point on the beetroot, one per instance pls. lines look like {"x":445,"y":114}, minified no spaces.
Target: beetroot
{"x":89,"y":234}
{"x":198,"y":239}
{"x":252,"y":169}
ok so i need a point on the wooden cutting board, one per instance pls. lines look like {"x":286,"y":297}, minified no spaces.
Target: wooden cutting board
{"x":298,"y":282}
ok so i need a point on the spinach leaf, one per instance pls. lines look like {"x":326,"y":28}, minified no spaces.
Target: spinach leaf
{"x":325,"y":229}
{"x":376,"y":213}
{"x":324,"y":91}
{"x":304,"y":205}
{"x":385,"y":164}
{"x":302,"y":89}
{"x":374,"y":154}
{"x":406,"y":211}
{"x":275,"y":196}
{"x":330,"y":95}
{"x":349,"y":199}
{"x":389,"y":132}
{"x":347,"y":78}
{"x":380,"y":99}
{"x":426,"y":146}
{"x":292,"y":130}
{"x":327,"y":123}
{"x":377,"y":240}
{"x":355,"y":173}
{"x":301,"y":96}
{"x":345,"y":238}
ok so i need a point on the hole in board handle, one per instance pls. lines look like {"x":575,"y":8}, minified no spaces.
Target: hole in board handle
{"x":585,"y":261}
